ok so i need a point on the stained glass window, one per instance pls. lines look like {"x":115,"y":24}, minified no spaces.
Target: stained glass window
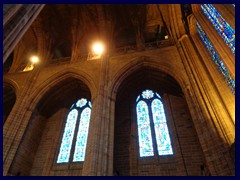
{"x":144,"y":131}
{"x":147,"y":94}
{"x":151,"y":121}
{"x":81,"y":142}
{"x":160,"y":125}
{"x":67,"y":139}
{"x":75,"y":133}
{"x":219,"y":23}
{"x":82,"y":102}
{"x":216,"y":58}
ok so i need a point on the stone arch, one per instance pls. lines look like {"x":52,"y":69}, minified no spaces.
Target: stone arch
{"x":10,"y":91}
{"x":136,"y":65}
{"x":58,"y":78}
{"x":11,"y":83}
{"x":138,"y":75}
{"x":49,"y":108}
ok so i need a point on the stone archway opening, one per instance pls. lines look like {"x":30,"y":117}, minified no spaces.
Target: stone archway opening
{"x":126,"y":159}
{"x":36,"y":154}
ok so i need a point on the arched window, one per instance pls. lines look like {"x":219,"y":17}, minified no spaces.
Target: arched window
{"x":74,"y":139}
{"x":216,"y":58}
{"x":151,"y":121}
{"x":219,"y":23}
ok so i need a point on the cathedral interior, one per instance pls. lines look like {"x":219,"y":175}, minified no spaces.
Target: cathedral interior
{"x":119,"y":89}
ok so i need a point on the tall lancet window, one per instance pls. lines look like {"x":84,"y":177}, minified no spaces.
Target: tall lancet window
{"x":74,"y":139}
{"x":216,"y":58}
{"x":153,"y":134}
{"x":219,"y":23}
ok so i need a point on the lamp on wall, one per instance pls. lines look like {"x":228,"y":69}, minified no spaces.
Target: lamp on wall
{"x":98,"y":48}
{"x":96,"y":52}
{"x":34,"y":59}
{"x":30,"y":65}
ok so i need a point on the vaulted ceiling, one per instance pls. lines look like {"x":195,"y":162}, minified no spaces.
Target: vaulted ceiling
{"x":64,"y":28}
{"x":58,"y":20}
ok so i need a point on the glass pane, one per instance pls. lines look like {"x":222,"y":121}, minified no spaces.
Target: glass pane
{"x":138,"y":98}
{"x":82,"y":135}
{"x":158,"y":95}
{"x":90,"y":104}
{"x":147,"y":94}
{"x":72,"y":106}
{"x":161,"y":130}
{"x":216,"y":58}
{"x":222,"y":27}
{"x":68,"y":134}
{"x":81,"y":102}
{"x":144,"y":131}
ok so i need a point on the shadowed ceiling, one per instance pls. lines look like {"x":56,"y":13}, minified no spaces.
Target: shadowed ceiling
{"x":83,"y":23}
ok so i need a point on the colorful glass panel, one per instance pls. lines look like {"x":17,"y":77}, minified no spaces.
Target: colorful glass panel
{"x":90,"y":104}
{"x":81,"y":102}
{"x":81,"y":142}
{"x":72,"y":106}
{"x":144,"y":130}
{"x":65,"y":149}
{"x":219,"y":23}
{"x":158,"y":95}
{"x":161,"y":130}
{"x":138,"y":98}
{"x":216,"y":58}
{"x":147,"y":94}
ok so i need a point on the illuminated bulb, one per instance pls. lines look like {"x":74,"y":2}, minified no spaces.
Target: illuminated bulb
{"x":34,"y":59}
{"x":98,"y":48}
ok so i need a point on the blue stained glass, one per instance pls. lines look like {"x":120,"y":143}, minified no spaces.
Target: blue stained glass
{"x":65,"y":149}
{"x":144,"y":131}
{"x":158,"y":95}
{"x":216,"y":58}
{"x":81,"y":143}
{"x":90,"y":104}
{"x":147,"y":94}
{"x":81,"y":102}
{"x":222,"y":27}
{"x":161,"y":130}
{"x":138,"y":98}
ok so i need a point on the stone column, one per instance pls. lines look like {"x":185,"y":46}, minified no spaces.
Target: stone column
{"x":213,"y":124}
{"x":15,"y":126}
{"x":15,"y":28}
{"x":99,"y":153}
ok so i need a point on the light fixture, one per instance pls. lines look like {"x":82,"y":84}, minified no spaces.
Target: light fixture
{"x":34,"y":59}
{"x":98,"y":48}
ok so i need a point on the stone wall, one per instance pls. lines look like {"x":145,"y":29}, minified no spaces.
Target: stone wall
{"x":184,"y":119}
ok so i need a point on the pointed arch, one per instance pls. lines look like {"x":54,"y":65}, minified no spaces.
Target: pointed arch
{"x":48,"y":107}
{"x":63,"y":75}
{"x":140,"y":64}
